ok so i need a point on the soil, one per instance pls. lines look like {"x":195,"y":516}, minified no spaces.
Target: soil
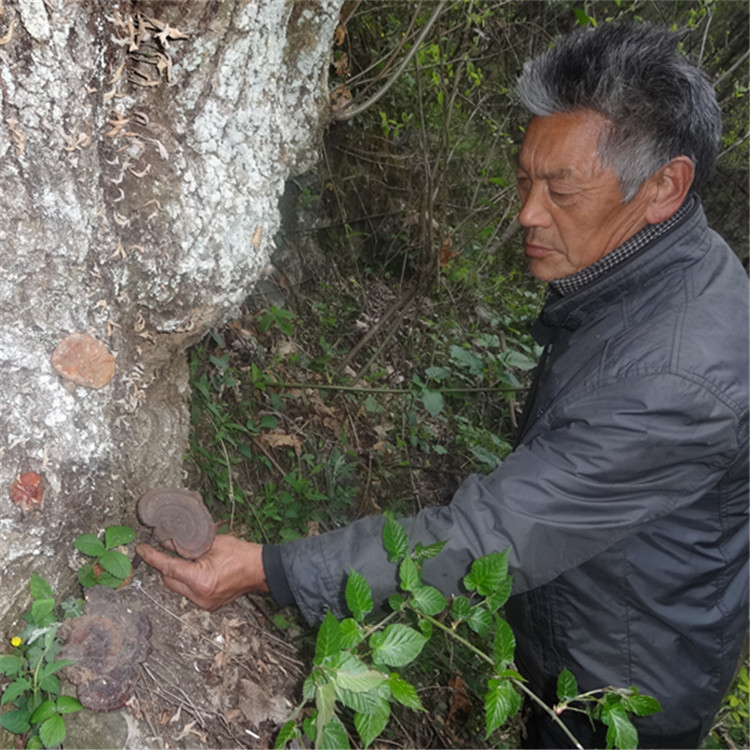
{"x":224,"y":679}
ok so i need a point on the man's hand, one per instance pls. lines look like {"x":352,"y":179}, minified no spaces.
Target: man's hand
{"x":231,"y":568}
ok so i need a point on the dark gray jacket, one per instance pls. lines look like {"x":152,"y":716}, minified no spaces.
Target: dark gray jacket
{"x":625,"y":504}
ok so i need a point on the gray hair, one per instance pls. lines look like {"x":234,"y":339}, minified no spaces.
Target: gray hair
{"x":659,"y":104}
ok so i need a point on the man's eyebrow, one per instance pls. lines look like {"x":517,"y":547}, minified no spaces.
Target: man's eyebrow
{"x":560,"y":173}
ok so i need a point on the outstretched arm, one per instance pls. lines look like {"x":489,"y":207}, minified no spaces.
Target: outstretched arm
{"x":231,"y":568}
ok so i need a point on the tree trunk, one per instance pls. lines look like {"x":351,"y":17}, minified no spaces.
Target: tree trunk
{"x":143,"y":150}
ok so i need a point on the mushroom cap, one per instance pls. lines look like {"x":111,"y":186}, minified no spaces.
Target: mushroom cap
{"x":180,"y":517}
{"x":106,"y":645}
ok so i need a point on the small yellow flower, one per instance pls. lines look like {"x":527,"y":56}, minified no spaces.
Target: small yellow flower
{"x":15,"y":641}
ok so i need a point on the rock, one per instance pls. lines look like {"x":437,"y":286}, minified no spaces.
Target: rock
{"x":83,"y":360}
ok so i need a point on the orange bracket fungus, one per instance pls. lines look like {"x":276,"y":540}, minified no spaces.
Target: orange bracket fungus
{"x":26,"y":491}
{"x":83,"y":360}
{"x":179,"y":519}
{"x":106,"y":645}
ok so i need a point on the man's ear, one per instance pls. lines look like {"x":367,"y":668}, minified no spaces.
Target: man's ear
{"x":670,"y":186}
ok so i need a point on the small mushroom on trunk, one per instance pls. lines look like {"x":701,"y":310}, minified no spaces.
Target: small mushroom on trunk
{"x":179,"y":519}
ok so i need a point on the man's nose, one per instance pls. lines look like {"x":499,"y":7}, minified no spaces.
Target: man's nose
{"x":534,"y":212}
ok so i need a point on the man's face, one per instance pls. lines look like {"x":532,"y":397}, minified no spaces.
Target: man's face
{"x":572,"y":210}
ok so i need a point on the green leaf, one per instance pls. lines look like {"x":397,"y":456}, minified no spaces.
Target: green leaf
{"x":116,"y":564}
{"x":433,"y":401}
{"x":16,"y":688}
{"x":53,"y":667}
{"x":359,"y":681}
{"x":41,"y":608}
{"x":396,"y":602}
{"x":620,"y":730}
{"x":404,"y":692}
{"x":500,"y":703}
{"x":308,"y":688}
{"x":567,"y":686}
{"x":461,"y":608}
{"x":11,"y":665}
{"x":504,"y":644}
{"x":497,"y":598}
{"x":332,"y":736}
{"x":642,"y":705}
{"x":351,"y":633}
{"x":67,"y":704}
{"x":480,"y":621}
{"x":52,"y":732}
{"x":40,"y":588}
{"x":43,"y":713}
{"x":16,"y":722}
{"x":90,"y":545}
{"x":114,"y":536}
{"x":364,"y":703}
{"x":358,"y":595}
{"x":428,"y":600}
{"x":329,"y":638}
{"x":429,"y":552}
{"x":395,"y":540}
{"x":50,"y":684}
{"x":409,"y":575}
{"x":369,"y":726}
{"x":107,"y":579}
{"x":286,"y":734}
{"x":325,"y":702}
{"x":34,"y":743}
{"x":488,"y":573}
{"x":87,"y":577}
{"x":397,"y":645}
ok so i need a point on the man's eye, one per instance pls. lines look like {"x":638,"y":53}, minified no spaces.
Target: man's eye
{"x":560,"y":197}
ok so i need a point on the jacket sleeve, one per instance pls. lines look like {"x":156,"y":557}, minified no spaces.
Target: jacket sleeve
{"x":596,"y":467}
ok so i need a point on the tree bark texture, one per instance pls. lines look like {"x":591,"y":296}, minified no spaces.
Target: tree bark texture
{"x":143,"y":150}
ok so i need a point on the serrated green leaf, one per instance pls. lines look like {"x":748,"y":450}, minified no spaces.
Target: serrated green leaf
{"x":16,"y":722}
{"x":426,"y":627}
{"x":86,"y":576}
{"x":366,"y":703}
{"x":395,"y":540}
{"x":329,"y":638}
{"x":54,"y":666}
{"x":567,"y":685}
{"x":504,"y":643}
{"x":428,"y":600}
{"x":396,"y":602}
{"x":620,"y":730}
{"x":488,"y":573}
{"x":51,"y":684}
{"x":500,"y":596}
{"x":40,"y":588}
{"x":369,"y":726}
{"x":107,"y":579}
{"x":429,"y":552}
{"x":643,"y":705}
{"x":16,"y":688}
{"x":67,"y":704}
{"x":41,"y":608}
{"x":480,"y":621}
{"x":461,"y":608}
{"x":358,"y":595}
{"x":286,"y":734}
{"x":408,"y":574}
{"x":90,"y":545}
{"x":34,"y":743}
{"x":332,"y":736}
{"x":433,"y":402}
{"x":325,"y":702}
{"x":351,"y":634}
{"x":397,"y":645}
{"x":116,"y":564}
{"x":500,"y":703}
{"x":404,"y":692}
{"x":43,"y":712}
{"x":308,"y":688}
{"x":114,"y":536}
{"x":11,"y":665}
{"x":52,"y":732}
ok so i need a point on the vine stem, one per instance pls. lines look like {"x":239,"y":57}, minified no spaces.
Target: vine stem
{"x":516,"y":682}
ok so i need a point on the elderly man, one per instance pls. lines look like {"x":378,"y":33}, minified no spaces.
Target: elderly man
{"x":625,"y":502}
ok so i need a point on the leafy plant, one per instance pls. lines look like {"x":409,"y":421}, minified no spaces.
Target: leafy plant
{"x":355,"y":662}
{"x":34,"y":690}
{"x":110,"y":567}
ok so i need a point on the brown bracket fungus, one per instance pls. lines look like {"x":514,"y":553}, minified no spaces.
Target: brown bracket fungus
{"x":178,"y":516}
{"x":83,"y":360}
{"x":106,"y":644}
